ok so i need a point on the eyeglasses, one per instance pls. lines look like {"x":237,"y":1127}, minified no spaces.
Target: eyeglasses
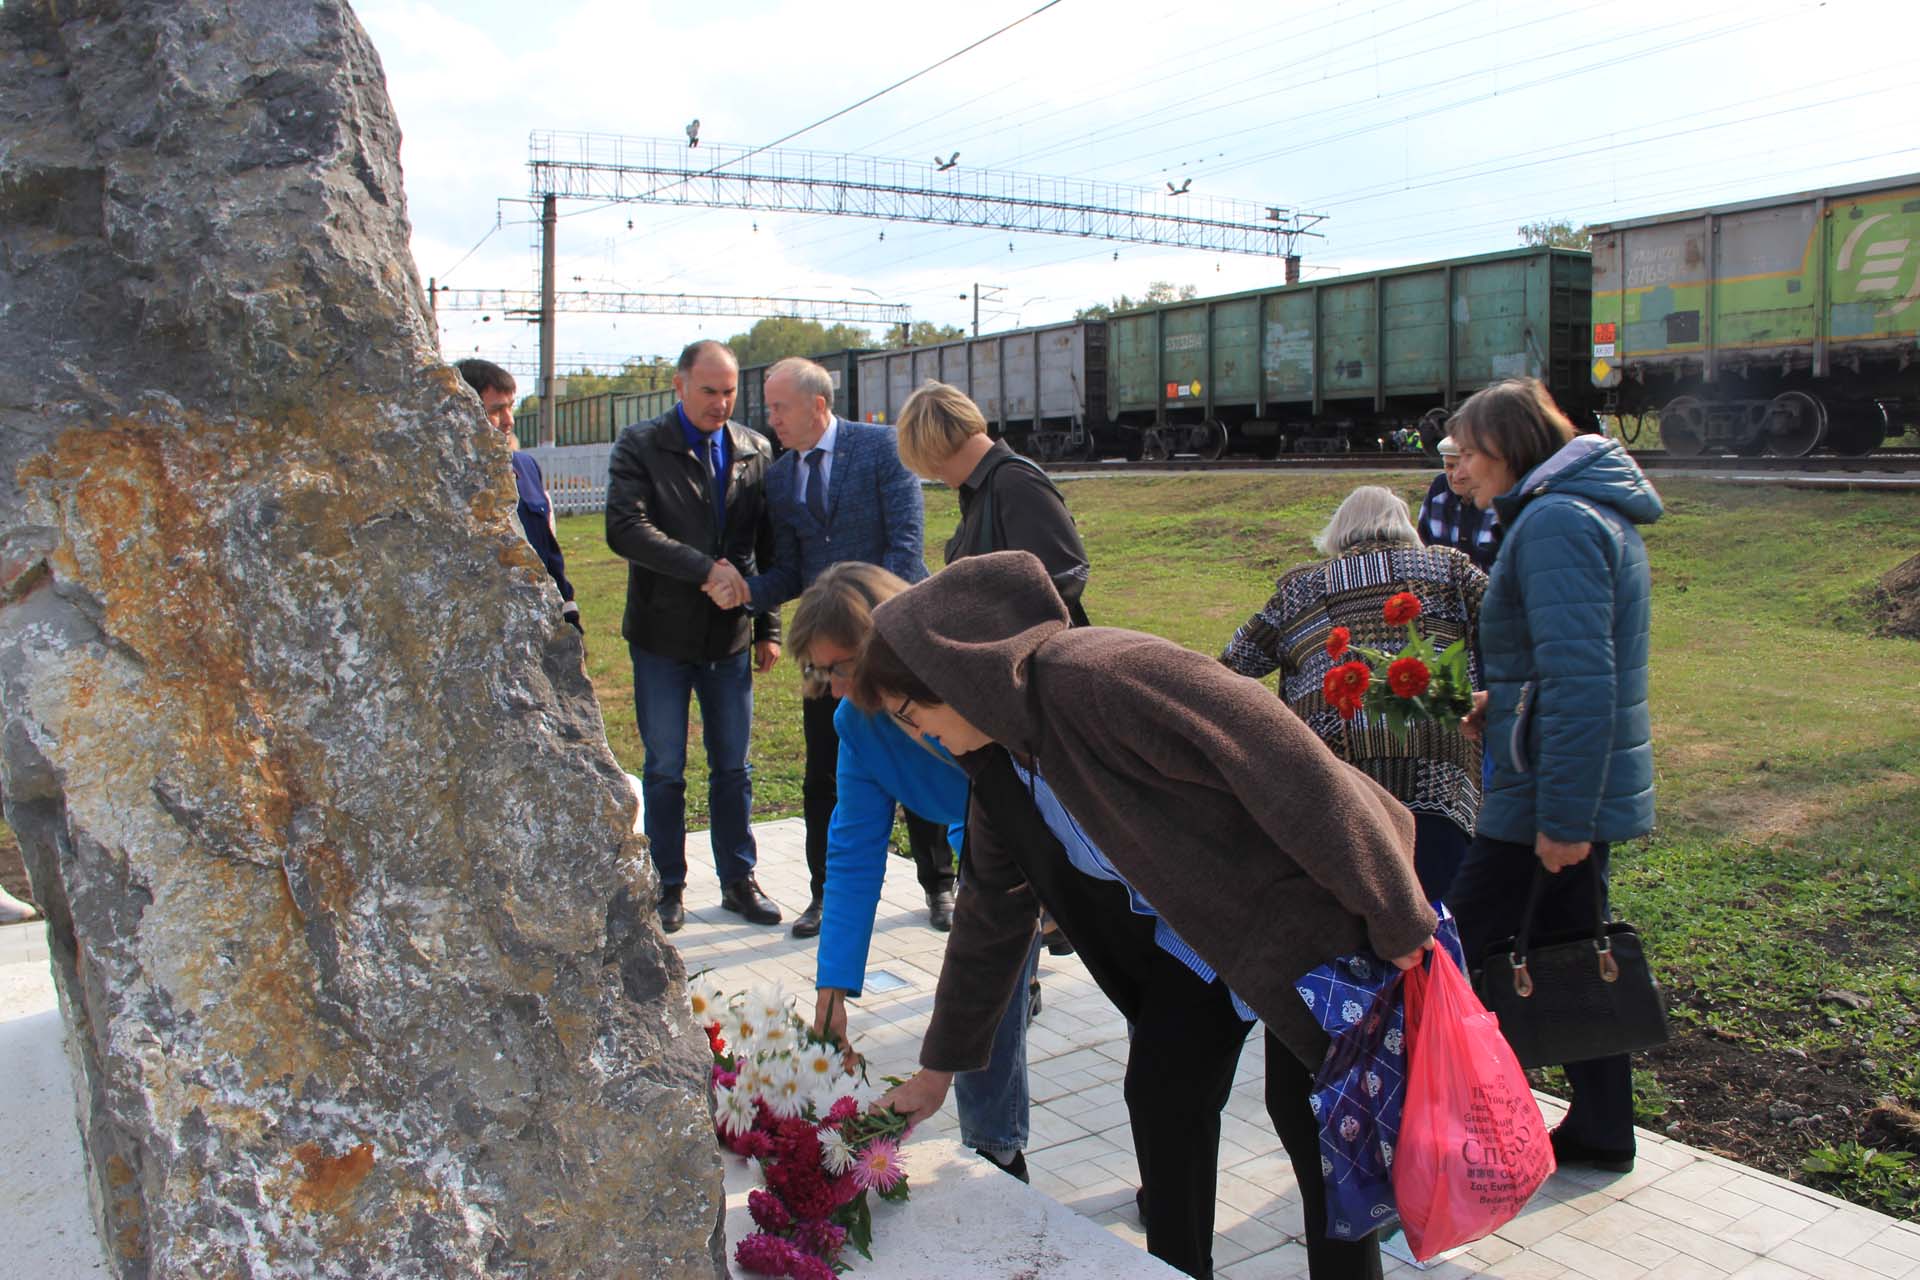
{"x":900,"y":713}
{"x":841,"y":670}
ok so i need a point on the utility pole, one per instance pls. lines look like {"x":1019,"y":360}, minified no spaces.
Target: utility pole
{"x":995,"y":289}
{"x":548,"y":226}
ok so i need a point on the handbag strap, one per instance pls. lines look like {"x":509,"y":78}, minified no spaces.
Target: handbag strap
{"x":1602,"y":943}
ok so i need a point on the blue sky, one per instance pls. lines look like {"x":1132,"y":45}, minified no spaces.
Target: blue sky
{"x":1423,"y":129}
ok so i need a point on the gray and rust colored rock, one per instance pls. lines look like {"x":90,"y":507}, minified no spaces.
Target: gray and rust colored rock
{"x":307,"y":772}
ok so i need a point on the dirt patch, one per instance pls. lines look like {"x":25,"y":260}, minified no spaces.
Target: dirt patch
{"x":1895,"y":603}
{"x":1762,"y":1107}
{"x":1757,"y":812}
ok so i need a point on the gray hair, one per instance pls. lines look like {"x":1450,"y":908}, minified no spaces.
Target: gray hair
{"x":807,"y":376}
{"x":1370,"y":514}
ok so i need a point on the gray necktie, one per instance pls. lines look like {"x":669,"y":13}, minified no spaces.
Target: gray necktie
{"x":817,"y":485}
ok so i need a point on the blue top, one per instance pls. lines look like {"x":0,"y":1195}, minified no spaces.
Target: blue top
{"x":879,"y":766}
{"x":1086,"y":858}
{"x":1564,"y":645}
{"x":536,"y":514}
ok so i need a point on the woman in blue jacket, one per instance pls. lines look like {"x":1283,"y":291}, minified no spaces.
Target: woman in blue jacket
{"x":881,"y":766}
{"x":1563,"y":646}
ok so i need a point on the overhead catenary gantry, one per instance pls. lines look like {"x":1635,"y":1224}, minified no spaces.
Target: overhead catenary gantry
{"x":527,"y":302}
{"x":613,"y":169}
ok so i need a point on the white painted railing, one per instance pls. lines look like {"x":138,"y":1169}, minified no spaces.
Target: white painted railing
{"x":576,"y":476}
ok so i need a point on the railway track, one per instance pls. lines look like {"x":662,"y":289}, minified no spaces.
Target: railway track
{"x":1895,"y":461}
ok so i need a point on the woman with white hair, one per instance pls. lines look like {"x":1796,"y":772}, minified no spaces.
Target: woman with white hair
{"x":1374,"y":552}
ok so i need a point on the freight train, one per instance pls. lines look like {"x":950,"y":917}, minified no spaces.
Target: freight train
{"x":1779,"y":326}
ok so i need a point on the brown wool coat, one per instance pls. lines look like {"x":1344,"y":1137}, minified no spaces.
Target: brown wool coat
{"x":1263,"y":851}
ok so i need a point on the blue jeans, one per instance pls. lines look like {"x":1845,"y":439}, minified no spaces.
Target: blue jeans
{"x":661,"y":688}
{"x":992,"y":1101}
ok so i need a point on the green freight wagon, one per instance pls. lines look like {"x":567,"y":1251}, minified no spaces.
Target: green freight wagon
{"x":1780,"y":326}
{"x":594,"y":419}
{"x":1346,"y":362}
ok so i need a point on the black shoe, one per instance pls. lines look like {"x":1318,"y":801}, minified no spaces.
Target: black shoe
{"x":1056,"y":942}
{"x":743,"y":897}
{"x":672,"y":913}
{"x":940,"y":909}
{"x":1140,"y":1202}
{"x":1568,"y":1152}
{"x":1033,"y":1001}
{"x":809,"y":922}
{"x":1017,"y":1166}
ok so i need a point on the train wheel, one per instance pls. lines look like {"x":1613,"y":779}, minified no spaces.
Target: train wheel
{"x":1085,"y":449}
{"x":1856,"y":428}
{"x":1214,"y":440}
{"x":1683,"y":427}
{"x":1796,"y":424}
{"x":1154,"y":447}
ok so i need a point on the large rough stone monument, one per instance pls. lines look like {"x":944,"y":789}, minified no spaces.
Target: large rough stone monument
{"x":336,"y":863}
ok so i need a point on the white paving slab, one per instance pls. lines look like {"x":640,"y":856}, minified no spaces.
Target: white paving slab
{"x":1682,"y":1213}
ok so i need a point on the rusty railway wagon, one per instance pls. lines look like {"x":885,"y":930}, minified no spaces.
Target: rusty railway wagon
{"x":1775,"y":326}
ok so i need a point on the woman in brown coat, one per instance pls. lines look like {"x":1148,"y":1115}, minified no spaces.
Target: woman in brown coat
{"x":1201,"y":848}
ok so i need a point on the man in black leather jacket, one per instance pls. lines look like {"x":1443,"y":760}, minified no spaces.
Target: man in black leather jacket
{"x":686,"y":507}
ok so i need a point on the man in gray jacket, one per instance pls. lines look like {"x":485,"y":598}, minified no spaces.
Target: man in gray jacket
{"x":687,"y":509}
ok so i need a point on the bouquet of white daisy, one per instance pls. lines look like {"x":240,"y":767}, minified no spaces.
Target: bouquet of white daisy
{"x":782,"y":1097}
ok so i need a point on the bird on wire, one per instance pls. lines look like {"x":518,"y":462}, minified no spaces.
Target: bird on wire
{"x":941,"y":166}
{"x":693,"y":133}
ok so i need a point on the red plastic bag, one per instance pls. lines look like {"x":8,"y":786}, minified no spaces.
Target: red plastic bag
{"x":1473,"y":1147}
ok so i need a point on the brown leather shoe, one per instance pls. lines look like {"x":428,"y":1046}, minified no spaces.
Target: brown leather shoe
{"x":743,"y":897}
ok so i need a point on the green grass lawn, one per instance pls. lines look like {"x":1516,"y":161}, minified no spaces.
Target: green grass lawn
{"x":1787,"y":746}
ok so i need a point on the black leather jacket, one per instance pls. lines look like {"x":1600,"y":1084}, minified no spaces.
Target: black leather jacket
{"x":660,"y":519}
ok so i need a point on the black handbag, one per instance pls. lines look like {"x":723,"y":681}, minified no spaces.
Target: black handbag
{"x":1571,"y":997}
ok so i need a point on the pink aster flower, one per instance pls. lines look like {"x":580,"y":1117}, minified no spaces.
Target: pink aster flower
{"x":768,"y":1211}
{"x":766,"y":1255}
{"x":878,"y":1166}
{"x":822,"y":1238}
{"x":808,"y":1267}
{"x":843,"y":1110}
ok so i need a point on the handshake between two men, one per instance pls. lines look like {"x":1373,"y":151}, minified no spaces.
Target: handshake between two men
{"x":728,"y":590}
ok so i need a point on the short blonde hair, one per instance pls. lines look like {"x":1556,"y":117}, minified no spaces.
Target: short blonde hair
{"x":934,"y":422}
{"x":1370,"y":514}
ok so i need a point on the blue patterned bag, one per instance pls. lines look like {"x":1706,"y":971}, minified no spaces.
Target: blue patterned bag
{"x":1361,"y":1086}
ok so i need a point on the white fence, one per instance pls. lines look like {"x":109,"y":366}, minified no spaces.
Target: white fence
{"x":576,"y":476}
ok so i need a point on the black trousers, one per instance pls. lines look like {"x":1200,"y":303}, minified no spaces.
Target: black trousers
{"x":819,"y":791}
{"x":1186,"y":1044}
{"x":1488,"y":896}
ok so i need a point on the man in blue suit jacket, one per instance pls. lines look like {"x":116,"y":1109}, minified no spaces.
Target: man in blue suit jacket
{"x":839,"y":493}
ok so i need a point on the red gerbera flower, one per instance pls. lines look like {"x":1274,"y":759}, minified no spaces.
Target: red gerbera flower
{"x":1345,"y":687}
{"x":1408,"y":677}
{"x":1337,"y":641}
{"x":1401,"y":609}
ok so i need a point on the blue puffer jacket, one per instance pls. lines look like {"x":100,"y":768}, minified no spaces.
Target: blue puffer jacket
{"x":1563,"y":640}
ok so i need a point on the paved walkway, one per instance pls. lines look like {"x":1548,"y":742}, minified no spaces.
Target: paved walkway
{"x":1680,"y":1214}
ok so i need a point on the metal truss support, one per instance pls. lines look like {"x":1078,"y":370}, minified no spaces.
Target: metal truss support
{"x":606,"y":167}
{"x":527,"y":303}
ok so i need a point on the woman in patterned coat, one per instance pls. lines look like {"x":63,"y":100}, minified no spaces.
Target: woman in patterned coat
{"x":1374,"y":552}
